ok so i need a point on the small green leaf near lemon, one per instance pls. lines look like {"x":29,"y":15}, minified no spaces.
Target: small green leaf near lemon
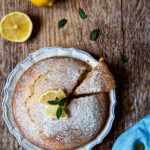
{"x":56,"y":100}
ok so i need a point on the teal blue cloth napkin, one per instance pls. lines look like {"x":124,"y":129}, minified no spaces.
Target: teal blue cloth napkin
{"x":140,"y":133}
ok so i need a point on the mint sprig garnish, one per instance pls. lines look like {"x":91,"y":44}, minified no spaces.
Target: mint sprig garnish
{"x":60,"y":103}
{"x":139,"y":146}
{"x":56,"y":99}
{"x":59,"y":112}
{"x":54,"y":102}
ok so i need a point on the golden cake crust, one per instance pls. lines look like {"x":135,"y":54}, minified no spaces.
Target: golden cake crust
{"x":86,"y":114}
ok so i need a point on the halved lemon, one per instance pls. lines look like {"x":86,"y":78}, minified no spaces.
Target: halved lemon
{"x":55,"y":96}
{"x":16,"y":27}
{"x":51,"y":95}
{"x":41,"y":3}
{"x":51,"y":111}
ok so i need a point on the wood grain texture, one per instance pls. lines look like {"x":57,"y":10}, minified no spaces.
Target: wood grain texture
{"x":124,"y":28}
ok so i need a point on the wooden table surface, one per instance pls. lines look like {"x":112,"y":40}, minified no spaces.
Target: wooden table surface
{"x":124,"y":28}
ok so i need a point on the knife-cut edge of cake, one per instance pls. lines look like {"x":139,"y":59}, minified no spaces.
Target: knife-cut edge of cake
{"x":98,"y":80}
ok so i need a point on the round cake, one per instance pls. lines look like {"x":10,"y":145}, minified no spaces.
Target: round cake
{"x":87,"y":113}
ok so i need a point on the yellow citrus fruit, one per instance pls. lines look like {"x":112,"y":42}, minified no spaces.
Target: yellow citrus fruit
{"x":54,"y":96}
{"x":41,"y":3}
{"x":51,"y":95}
{"x":16,"y":27}
{"x":51,"y":111}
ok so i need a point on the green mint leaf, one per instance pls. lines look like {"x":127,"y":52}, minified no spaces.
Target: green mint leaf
{"x":62,"y":102}
{"x":94,"y":34}
{"x":56,"y":99}
{"x":61,"y":23}
{"x":59,"y":112}
{"x":139,"y":146}
{"x":124,"y":58}
{"x":52,"y":102}
{"x":82,"y":13}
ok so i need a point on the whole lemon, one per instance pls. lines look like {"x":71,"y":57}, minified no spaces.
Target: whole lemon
{"x":41,"y":3}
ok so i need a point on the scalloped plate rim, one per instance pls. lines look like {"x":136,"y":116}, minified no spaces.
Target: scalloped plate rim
{"x":26,"y":60}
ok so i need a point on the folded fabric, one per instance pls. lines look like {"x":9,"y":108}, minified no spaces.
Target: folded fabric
{"x":140,"y":133}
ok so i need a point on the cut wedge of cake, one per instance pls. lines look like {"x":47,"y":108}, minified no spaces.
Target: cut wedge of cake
{"x":98,"y":80}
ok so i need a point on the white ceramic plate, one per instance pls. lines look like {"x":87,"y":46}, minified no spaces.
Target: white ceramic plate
{"x":23,"y":66}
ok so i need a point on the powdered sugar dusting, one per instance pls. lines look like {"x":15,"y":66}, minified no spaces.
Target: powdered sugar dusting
{"x":87,"y":115}
{"x":53,"y":73}
{"x":99,"y":80}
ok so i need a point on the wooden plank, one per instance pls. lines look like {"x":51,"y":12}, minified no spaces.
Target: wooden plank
{"x":134,"y":81}
{"x":124,"y":28}
{"x":104,"y":15}
{"x":136,"y":20}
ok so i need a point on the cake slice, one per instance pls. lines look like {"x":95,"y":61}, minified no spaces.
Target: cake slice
{"x":98,"y":80}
